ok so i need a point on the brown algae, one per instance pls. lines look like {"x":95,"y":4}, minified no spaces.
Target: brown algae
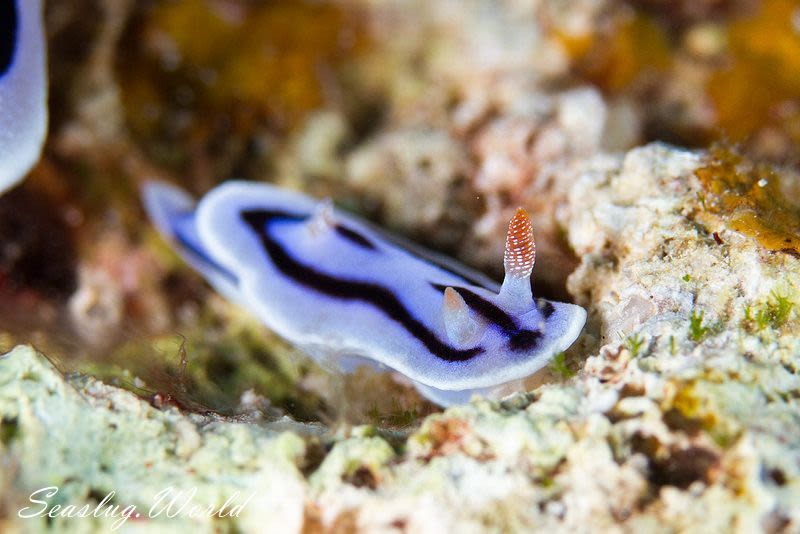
{"x":758,"y":85}
{"x":750,"y":198}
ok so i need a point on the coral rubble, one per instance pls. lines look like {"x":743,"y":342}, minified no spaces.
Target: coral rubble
{"x":688,"y":404}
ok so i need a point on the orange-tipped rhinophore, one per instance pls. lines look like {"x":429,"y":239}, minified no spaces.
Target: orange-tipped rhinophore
{"x":520,"y":252}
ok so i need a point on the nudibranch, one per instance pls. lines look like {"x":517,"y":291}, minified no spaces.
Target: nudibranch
{"x":23,"y":88}
{"x":346,"y":292}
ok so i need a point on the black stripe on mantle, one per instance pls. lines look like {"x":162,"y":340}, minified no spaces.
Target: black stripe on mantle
{"x":520,"y":339}
{"x":373,"y":294}
{"x":9,"y":33}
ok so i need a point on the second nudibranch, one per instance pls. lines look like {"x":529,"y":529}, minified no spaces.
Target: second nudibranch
{"x":23,"y":89}
{"x":347,"y":293}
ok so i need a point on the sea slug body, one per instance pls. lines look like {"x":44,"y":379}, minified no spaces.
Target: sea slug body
{"x":344,"y":291}
{"x":23,"y":88}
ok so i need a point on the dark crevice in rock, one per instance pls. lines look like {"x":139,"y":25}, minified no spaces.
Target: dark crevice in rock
{"x":683,"y":467}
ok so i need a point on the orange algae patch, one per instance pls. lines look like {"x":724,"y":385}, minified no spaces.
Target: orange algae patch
{"x":750,"y":198}
{"x":693,"y":406}
{"x":576,"y":45}
{"x":697,"y":405}
{"x":615,"y":59}
{"x":265,"y":60}
{"x":762,"y":77}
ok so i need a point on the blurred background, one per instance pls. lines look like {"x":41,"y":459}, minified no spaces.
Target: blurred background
{"x":433,"y":119}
